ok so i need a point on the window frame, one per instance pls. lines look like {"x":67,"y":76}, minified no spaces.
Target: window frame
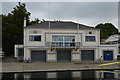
{"x":33,"y":37}
{"x":89,"y":40}
{"x":63,"y":38}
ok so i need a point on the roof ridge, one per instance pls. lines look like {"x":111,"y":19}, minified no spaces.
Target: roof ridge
{"x":60,"y":25}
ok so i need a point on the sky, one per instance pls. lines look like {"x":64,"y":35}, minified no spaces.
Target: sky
{"x":87,"y":13}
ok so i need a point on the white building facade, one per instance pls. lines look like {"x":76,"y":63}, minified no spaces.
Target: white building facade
{"x":57,"y":41}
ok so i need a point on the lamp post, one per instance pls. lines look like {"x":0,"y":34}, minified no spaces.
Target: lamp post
{"x":24,"y":25}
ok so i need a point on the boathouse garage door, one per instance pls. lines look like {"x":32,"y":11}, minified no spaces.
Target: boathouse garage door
{"x":38,"y":56}
{"x":87,"y":55}
{"x":108,"y":55}
{"x":63,"y":55}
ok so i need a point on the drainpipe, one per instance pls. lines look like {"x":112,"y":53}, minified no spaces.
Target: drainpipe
{"x":49,"y":25}
{"x":24,"y":25}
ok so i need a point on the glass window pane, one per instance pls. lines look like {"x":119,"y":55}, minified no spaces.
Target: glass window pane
{"x":35,"y":38}
{"x":90,"y":38}
{"x":64,"y":38}
{"x":31,"y":38}
{"x":72,"y":38}
{"x":58,"y":38}
{"x":69,"y":38}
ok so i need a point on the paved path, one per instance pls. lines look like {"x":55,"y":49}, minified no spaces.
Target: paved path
{"x":31,"y":67}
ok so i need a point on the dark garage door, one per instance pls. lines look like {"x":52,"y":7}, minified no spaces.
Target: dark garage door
{"x":38,"y":56}
{"x":108,"y":55}
{"x":64,"y":55}
{"x":87,"y":55}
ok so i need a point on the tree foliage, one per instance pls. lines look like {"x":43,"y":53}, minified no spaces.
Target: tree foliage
{"x":12,"y":28}
{"x":34,"y":22}
{"x":107,"y":29}
{"x":19,"y":12}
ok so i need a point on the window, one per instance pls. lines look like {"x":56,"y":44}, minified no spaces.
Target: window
{"x":64,"y":38}
{"x":69,"y":38}
{"x":90,"y":32}
{"x":65,"y":41}
{"x":35,"y":38}
{"x":58,"y":38}
{"x":20,"y":52}
{"x":90,"y":38}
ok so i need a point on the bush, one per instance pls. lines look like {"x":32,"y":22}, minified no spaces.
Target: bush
{"x":118,"y":57}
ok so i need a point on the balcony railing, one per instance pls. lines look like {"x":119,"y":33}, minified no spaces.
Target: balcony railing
{"x":63,"y":44}
{"x":110,"y":43}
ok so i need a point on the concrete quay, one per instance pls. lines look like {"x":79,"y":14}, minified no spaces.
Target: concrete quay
{"x":10,"y":67}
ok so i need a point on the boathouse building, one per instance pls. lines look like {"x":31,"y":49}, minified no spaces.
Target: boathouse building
{"x":62,"y":41}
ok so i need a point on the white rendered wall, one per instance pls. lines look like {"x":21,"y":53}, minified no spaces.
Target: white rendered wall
{"x":113,"y":48}
{"x":88,"y":43}
{"x":16,"y":50}
{"x":75,"y":55}
{"x":45,"y":36}
{"x":27,"y":54}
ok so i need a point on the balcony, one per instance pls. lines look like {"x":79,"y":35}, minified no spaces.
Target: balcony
{"x":110,"y":43}
{"x":63,"y":44}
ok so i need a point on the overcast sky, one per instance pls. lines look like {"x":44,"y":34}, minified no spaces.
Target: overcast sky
{"x":87,"y":13}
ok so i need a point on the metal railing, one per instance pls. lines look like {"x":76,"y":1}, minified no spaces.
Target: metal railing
{"x":110,"y":43}
{"x":63,"y":44}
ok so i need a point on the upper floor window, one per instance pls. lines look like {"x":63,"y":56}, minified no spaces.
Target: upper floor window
{"x":35,"y":38}
{"x":69,"y":38}
{"x":64,"y":38}
{"x":90,"y":38}
{"x":58,"y":38}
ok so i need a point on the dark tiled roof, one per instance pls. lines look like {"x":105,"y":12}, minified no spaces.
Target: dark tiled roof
{"x":59,"y":25}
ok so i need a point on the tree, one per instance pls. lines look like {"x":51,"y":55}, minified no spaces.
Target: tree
{"x":12,"y":28}
{"x":107,"y":29}
{"x":34,"y":22}
{"x":10,"y":38}
{"x":19,"y":12}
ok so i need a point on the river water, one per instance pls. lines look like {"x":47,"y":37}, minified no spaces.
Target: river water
{"x":67,"y":75}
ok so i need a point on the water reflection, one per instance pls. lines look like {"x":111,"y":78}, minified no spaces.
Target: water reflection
{"x":68,"y":75}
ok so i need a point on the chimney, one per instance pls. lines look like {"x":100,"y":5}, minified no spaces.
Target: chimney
{"x":24,"y":22}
